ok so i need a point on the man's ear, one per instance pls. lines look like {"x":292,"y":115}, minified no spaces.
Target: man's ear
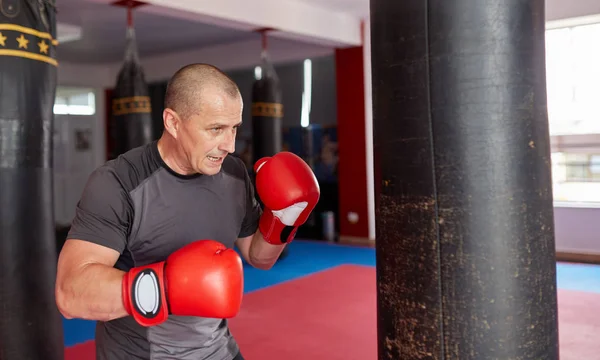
{"x":171,"y":122}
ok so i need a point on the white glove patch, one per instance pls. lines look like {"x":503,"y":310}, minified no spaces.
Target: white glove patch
{"x":147,"y":293}
{"x":290,"y":214}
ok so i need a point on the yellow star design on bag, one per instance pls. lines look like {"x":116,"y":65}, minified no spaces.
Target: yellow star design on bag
{"x":22,"y":41}
{"x":43,"y":47}
{"x":2,"y":39}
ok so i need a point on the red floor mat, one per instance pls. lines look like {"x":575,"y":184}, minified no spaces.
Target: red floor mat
{"x":332,"y":315}
{"x":579,"y":325}
{"x":84,"y":351}
{"x":327,"y":315}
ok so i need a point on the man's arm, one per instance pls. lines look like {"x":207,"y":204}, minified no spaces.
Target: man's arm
{"x":87,"y":285}
{"x":257,"y":252}
{"x":290,"y":191}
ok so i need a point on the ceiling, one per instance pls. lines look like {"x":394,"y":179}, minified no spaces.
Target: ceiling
{"x":103,"y":30}
{"x":102,"y":26}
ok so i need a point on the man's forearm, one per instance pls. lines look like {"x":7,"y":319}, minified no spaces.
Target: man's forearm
{"x":262,"y":254}
{"x":93,"y":293}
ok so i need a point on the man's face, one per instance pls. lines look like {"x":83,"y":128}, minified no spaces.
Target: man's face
{"x":208,"y":136}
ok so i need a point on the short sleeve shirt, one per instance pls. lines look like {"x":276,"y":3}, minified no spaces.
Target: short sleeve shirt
{"x":138,"y":206}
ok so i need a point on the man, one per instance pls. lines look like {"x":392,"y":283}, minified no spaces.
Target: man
{"x":149,"y":254}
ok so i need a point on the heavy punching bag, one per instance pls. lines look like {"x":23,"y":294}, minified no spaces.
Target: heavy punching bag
{"x":267,"y":110}
{"x":30,"y":324}
{"x":131,"y":124}
{"x":267,"y":113}
{"x":466,"y":265}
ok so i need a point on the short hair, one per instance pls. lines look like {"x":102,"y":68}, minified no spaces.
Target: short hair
{"x":190,"y":83}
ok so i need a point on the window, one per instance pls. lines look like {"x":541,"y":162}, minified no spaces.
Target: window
{"x":74,"y":101}
{"x":573,"y":85}
{"x":595,"y":165}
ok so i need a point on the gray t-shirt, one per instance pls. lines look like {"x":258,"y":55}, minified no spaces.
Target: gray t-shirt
{"x":138,"y":206}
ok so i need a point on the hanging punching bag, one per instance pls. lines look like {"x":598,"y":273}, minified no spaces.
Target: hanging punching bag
{"x":131,"y":111}
{"x":30,"y":324}
{"x":267,"y":111}
{"x":466,"y":263}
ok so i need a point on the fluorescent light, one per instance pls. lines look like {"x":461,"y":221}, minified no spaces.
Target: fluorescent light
{"x":258,"y":73}
{"x":67,"y":32}
{"x":306,"y":94}
{"x":61,"y":109}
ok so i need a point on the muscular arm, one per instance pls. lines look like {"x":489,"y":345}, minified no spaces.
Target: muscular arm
{"x":87,"y":285}
{"x":257,"y":252}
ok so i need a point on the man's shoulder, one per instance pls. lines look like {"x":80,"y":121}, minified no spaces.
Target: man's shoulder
{"x":130,"y":168}
{"x":234,"y":166}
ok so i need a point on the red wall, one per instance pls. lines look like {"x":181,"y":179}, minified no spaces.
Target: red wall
{"x":352,"y":172}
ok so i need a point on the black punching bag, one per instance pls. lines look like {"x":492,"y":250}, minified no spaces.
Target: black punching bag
{"x":131,"y":111}
{"x":465,"y":232}
{"x":267,"y":112}
{"x":30,"y":324}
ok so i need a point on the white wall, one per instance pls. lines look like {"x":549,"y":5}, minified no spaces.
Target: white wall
{"x":577,"y":228}
{"x":233,"y":56}
{"x":569,"y":11}
{"x":96,"y":76}
{"x":586,"y":143}
{"x":73,"y":163}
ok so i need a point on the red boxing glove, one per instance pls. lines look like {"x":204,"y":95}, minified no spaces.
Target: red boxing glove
{"x":289,"y":191}
{"x":204,"y":279}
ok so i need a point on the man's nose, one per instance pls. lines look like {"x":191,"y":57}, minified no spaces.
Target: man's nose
{"x":228,"y":143}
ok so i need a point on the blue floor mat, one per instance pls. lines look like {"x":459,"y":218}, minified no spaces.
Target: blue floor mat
{"x":307,"y":257}
{"x":77,"y":331}
{"x":578,"y":277}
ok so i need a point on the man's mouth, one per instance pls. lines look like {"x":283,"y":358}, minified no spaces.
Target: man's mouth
{"x":214,"y":159}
